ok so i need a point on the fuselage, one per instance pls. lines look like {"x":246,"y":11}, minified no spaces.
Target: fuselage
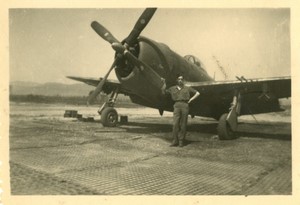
{"x":167,"y":64}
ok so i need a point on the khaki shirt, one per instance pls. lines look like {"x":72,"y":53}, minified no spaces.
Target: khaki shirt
{"x":182,"y":94}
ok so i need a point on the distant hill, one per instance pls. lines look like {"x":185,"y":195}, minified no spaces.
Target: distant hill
{"x":49,"y":89}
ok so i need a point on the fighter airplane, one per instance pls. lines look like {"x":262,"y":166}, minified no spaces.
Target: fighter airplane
{"x":143,"y":65}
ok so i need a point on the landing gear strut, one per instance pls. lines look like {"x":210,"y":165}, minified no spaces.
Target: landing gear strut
{"x":225,"y":132}
{"x":228,"y":121}
{"x":109,"y":115}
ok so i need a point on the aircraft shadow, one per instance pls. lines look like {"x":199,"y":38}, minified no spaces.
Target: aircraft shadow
{"x":141,"y":127}
{"x":252,"y":131}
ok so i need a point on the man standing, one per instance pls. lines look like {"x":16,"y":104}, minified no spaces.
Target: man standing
{"x":181,"y":95}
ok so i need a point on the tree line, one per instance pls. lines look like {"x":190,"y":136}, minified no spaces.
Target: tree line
{"x":122,"y":101}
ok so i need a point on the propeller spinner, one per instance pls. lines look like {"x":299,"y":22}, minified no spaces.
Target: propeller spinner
{"x":118,"y":47}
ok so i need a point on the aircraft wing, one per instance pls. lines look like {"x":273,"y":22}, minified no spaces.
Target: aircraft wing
{"x":257,"y":95}
{"x":280,"y":87}
{"x":109,"y":85}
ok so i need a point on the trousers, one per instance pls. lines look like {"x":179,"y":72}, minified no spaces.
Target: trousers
{"x":180,"y":118}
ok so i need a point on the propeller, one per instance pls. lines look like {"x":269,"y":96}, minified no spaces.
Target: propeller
{"x":120,"y":49}
{"x":140,"y":25}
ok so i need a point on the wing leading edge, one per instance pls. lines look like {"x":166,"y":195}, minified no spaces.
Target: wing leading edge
{"x":109,"y":85}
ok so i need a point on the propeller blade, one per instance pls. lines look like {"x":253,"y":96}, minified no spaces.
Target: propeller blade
{"x":140,"y":25}
{"x":103,"y":32}
{"x":98,"y":89}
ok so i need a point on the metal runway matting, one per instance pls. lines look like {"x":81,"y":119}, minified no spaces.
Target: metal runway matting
{"x":167,"y":175}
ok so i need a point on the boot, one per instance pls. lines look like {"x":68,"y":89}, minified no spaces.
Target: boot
{"x":181,"y":143}
{"x":174,"y":143}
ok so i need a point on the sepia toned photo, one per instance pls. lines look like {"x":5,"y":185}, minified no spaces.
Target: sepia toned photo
{"x":150,"y":101}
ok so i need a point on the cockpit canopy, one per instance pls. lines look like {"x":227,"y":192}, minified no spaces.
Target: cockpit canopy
{"x":195,"y":61}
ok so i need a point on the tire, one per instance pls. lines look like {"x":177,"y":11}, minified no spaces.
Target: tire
{"x":224,"y":130}
{"x":109,"y":117}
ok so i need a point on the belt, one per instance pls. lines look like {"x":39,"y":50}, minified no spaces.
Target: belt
{"x":184,"y":101}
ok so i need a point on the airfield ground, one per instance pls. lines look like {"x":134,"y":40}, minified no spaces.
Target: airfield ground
{"x":52,"y":155}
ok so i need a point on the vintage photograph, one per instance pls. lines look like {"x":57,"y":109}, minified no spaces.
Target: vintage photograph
{"x":150,"y":101}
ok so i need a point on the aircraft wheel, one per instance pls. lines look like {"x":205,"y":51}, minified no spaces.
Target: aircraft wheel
{"x":109,"y":117}
{"x":224,"y":130}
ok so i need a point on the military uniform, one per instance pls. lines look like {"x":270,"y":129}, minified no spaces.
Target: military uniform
{"x":181,"y":96}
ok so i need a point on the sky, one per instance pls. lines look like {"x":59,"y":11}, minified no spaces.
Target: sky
{"x":45,"y":45}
